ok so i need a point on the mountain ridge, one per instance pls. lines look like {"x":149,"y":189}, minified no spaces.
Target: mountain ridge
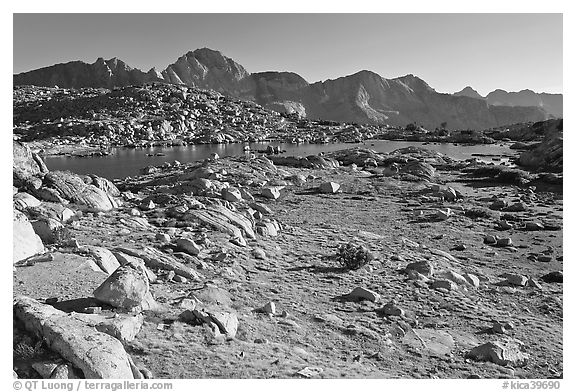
{"x":362,"y":97}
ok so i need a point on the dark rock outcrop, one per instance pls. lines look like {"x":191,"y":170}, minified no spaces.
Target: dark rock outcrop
{"x":548,"y":155}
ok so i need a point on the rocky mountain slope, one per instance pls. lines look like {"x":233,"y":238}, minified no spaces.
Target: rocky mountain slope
{"x":364,"y":97}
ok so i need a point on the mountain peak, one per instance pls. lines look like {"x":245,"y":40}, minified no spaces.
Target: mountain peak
{"x":468,"y":92}
{"x":414,"y":82}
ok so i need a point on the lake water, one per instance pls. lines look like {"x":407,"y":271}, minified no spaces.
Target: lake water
{"x":124,"y":162}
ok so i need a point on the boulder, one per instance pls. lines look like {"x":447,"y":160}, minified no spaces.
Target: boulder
{"x":27,"y":167}
{"x":261,"y":208}
{"x":223,"y":319}
{"x":223,"y":219}
{"x":454,"y":277}
{"x":472,"y":280}
{"x":231,"y":194}
{"x":329,"y":187}
{"x":391,"y":309}
{"x":26,"y":242}
{"x":357,"y":156}
{"x":504,"y":353}
{"x":127,"y":288}
{"x":105,"y":185}
{"x":24,"y":200}
{"x":123,"y":327}
{"x":516,"y":280}
{"x":210,"y":294}
{"x":48,"y":210}
{"x":423,"y":267}
{"x":297,"y":179}
{"x":189,"y":246}
{"x":360,"y":293}
{"x":153,"y":258}
{"x":548,"y":155}
{"x":98,"y":355}
{"x":270,"y":193}
{"x":419,"y":169}
{"x":71,"y":187}
{"x":246,"y":195}
{"x":444,"y":284}
{"x":554,"y":277}
{"x":103,"y":257}
{"x":267,"y":228}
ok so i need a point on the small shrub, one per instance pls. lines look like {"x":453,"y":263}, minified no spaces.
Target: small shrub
{"x":352,"y":256}
{"x":62,"y":235}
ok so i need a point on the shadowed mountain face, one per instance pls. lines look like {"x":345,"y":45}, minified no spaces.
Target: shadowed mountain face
{"x":364,"y":97}
{"x":76,"y":74}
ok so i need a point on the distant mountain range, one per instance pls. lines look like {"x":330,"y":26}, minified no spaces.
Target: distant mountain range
{"x":364,"y":97}
{"x":551,"y":103}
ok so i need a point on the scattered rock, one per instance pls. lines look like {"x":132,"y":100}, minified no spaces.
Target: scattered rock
{"x":443,"y":214}
{"x":516,"y":280}
{"x":269,"y":308}
{"x":454,"y":277}
{"x":472,"y":280}
{"x":261,"y":208}
{"x":189,"y":246}
{"x":391,"y":309}
{"x":423,"y":267}
{"x":533,"y":226}
{"x":360,"y":293}
{"x":444,"y":284}
{"x":270,"y":193}
{"x":103,"y":257}
{"x":162,"y":237}
{"x":504,"y":242}
{"x":490,"y":240}
{"x":329,"y":187}
{"x":554,"y":277}
{"x":501,"y":353}
{"x":502,"y":327}
{"x":231,"y":194}
{"x":310,"y":371}
{"x":259,"y":253}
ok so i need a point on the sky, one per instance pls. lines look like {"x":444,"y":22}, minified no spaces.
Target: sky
{"x":449,"y":51}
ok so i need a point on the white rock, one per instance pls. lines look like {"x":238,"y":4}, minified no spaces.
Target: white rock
{"x":26,"y":242}
{"x":126,"y":288}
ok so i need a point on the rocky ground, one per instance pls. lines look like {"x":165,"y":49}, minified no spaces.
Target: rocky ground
{"x":351,"y":265}
{"x":88,"y":121}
